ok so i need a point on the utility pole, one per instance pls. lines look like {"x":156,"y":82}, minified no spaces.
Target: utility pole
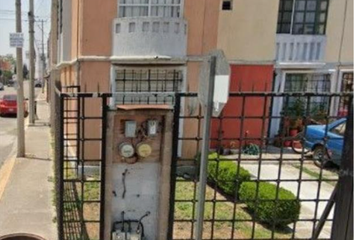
{"x":20,"y":100}
{"x":43,"y":56}
{"x":31,"y":62}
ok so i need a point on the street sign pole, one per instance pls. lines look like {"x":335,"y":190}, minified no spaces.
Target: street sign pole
{"x":208,"y":110}
{"x":20,"y":100}
{"x":213,"y":93}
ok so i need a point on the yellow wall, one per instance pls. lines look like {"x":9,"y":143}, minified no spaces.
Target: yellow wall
{"x":75,"y":8}
{"x":202,"y":17}
{"x":248,"y":31}
{"x":336,"y":15}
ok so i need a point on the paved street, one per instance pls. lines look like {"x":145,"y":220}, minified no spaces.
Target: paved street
{"x":8,"y":126}
{"x":26,"y":190}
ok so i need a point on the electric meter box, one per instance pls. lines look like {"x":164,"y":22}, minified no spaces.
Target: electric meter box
{"x":130,"y":128}
{"x":138,"y":169}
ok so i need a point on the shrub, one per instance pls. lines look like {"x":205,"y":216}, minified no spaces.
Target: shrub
{"x":226,"y":174}
{"x":251,"y":149}
{"x":279,"y":212}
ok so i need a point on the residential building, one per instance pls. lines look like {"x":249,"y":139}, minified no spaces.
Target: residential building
{"x":314,"y":51}
{"x":136,"y":45}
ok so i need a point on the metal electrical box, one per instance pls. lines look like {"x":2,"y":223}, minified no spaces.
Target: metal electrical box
{"x":138,"y":157}
{"x":130,"y":129}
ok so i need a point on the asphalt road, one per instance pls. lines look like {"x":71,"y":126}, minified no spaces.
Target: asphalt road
{"x":8,"y":126}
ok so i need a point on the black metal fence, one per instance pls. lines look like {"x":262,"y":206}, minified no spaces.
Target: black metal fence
{"x":264,"y":181}
{"x":270,"y":176}
{"x":80,"y":164}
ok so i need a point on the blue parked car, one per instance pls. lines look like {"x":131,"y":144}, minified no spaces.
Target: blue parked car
{"x":332,"y":148}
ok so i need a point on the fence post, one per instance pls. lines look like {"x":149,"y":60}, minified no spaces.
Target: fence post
{"x":343,"y":215}
{"x":104,"y":109}
{"x":175,"y":144}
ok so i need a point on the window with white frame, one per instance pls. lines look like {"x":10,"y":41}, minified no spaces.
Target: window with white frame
{"x":150,"y":8}
{"x":347,"y":86}
{"x":308,"y":82}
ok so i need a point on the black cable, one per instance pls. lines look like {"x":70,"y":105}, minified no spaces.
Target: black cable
{"x":129,"y":222}
{"x":123,"y":180}
{"x":140,"y":224}
{"x":123,"y":221}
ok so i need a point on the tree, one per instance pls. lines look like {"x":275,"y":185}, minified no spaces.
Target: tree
{"x":10,"y":59}
{"x":25,"y":71}
{"x":7,"y":75}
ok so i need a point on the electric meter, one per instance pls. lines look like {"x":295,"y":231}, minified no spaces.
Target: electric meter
{"x":126,"y":150}
{"x":143,"y":150}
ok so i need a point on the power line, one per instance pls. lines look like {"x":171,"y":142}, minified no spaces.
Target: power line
{"x":10,"y":19}
{"x":11,"y":11}
{"x":23,"y":20}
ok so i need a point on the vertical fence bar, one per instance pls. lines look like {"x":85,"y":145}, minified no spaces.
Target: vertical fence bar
{"x":103,"y":165}
{"x":60,"y":162}
{"x":343,"y":213}
{"x":175,"y":137}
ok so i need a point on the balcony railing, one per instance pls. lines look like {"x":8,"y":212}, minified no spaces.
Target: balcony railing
{"x":146,"y":37}
{"x":300,"y":48}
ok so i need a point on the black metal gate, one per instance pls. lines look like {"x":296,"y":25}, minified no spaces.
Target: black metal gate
{"x":258,"y":187}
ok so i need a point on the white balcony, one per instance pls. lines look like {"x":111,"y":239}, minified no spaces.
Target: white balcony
{"x":300,"y":48}
{"x":144,"y":37}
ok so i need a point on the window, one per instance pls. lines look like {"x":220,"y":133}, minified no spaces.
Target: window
{"x":10,"y":97}
{"x":347,"y":86}
{"x":148,"y":80}
{"x":227,"y":5}
{"x":302,"y":16}
{"x":340,"y":129}
{"x":118,"y":28}
{"x":302,"y":82}
{"x":150,"y":8}
{"x":132,"y":27}
{"x":315,"y":83}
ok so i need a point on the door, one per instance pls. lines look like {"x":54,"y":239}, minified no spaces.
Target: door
{"x":335,"y":141}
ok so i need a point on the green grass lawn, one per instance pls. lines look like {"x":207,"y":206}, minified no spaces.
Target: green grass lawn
{"x":225,"y":214}
{"x":316,"y":175}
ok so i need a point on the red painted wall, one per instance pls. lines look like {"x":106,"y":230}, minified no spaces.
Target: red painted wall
{"x":244,"y":78}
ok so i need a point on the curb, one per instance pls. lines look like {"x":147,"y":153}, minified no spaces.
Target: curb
{"x":8,"y":165}
{"x":5,"y":173}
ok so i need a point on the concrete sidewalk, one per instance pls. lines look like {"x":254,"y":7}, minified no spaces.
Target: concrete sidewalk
{"x":26,"y":205}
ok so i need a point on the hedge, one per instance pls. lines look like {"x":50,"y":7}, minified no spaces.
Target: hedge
{"x":225,"y":174}
{"x":279,"y":212}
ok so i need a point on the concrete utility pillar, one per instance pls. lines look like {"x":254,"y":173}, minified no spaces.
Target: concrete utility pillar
{"x":139,"y":152}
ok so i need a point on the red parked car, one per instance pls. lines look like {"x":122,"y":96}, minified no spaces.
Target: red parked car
{"x":8,"y":105}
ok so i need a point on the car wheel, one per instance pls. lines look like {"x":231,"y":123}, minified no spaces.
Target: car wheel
{"x":297,"y":144}
{"x":321,"y":156}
